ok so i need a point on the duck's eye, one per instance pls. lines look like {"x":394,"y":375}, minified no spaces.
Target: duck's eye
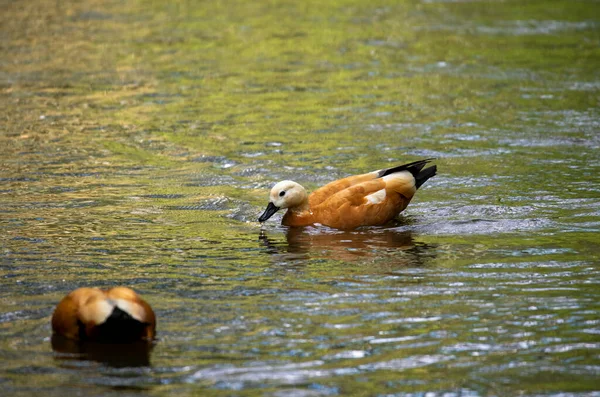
{"x":282,"y":193}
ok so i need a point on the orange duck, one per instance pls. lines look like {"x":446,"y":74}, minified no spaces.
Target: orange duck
{"x":117,"y":315}
{"x":369,"y":199}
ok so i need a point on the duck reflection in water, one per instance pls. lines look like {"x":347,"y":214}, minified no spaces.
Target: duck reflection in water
{"x":118,"y":355}
{"x":397,"y":247}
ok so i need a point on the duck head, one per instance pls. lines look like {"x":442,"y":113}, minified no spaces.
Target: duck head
{"x":285,"y":194}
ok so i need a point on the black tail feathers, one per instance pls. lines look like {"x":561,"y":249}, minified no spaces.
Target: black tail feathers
{"x":120,"y":327}
{"x":415,"y":169}
{"x":424,"y":175}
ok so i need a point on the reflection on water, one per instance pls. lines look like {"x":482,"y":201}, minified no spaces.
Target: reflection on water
{"x":114,"y":355}
{"x":397,"y":247}
{"x":139,"y":140}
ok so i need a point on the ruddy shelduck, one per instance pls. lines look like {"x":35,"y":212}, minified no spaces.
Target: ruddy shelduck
{"x":370,"y":199}
{"x":117,"y":315}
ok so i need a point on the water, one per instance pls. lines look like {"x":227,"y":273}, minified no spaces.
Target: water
{"x":139,"y":142}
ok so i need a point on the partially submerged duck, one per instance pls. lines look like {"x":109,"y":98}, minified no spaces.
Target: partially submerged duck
{"x":117,"y":315}
{"x":370,"y":199}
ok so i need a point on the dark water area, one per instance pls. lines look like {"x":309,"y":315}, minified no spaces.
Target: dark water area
{"x":139,"y":141}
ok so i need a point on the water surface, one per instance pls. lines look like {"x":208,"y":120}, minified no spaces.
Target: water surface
{"x":139,"y":141}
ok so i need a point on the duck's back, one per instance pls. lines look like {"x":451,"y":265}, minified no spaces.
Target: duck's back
{"x":326,"y":192}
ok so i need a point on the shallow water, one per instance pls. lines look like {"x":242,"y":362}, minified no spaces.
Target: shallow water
{"x":139,"y":141}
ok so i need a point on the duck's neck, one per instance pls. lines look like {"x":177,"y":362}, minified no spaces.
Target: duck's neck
{"x":300,"y":215}
{"x":300,"y":209}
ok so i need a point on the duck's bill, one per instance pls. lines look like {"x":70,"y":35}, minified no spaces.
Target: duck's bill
{"x":271,"y":209}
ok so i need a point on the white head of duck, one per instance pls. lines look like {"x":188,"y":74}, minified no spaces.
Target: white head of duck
{"x":285,"y":194}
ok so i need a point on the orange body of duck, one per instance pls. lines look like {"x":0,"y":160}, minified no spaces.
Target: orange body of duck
{"x":117,"y":315}
{"x":370,"y":199}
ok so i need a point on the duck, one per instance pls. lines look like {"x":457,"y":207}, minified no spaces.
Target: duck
{"x":116,"y":315}
{"x":370,"y":199}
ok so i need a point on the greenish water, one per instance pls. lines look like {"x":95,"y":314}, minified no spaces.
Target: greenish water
{"x":139,"y":141}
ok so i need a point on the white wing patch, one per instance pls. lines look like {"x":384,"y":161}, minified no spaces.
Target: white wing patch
{"x":401,"y":182}
{"x":399,"y":176}
{"x":96,"y":312}
{"x":131,"y":308}
{"x":377,"y":197}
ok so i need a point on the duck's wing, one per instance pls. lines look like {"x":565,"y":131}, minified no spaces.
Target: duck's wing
{"x":324,"y":193}
{"x":127,"y":300}
{"x":373,"y":202}
{"x":66,"y":319}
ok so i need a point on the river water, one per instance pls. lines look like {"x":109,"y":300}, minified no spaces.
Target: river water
{"x":139,"y":141}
